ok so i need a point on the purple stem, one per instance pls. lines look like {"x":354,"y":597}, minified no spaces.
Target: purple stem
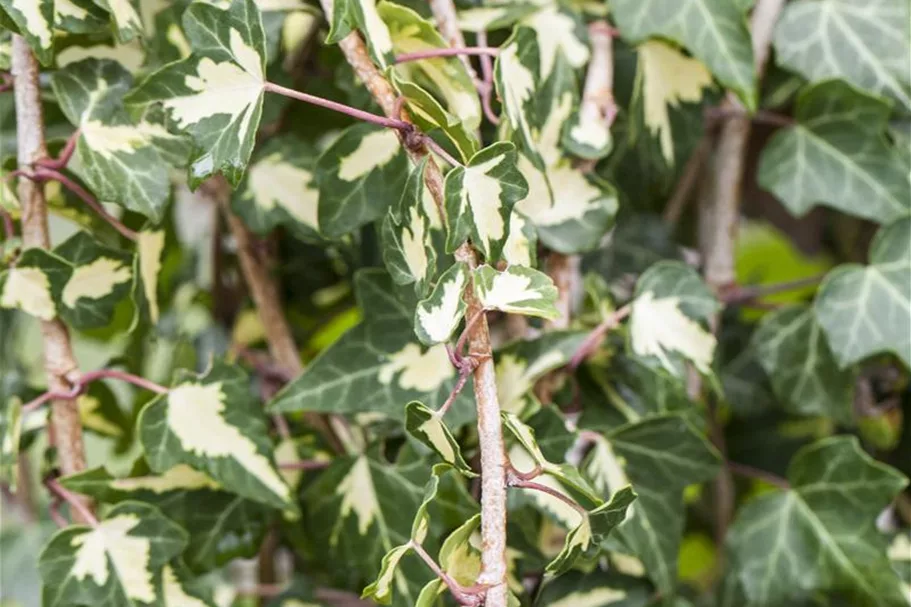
{"x":591,"y":342}
{"x":433,"y":53}
{"x":464,"y":373}
{"x":515,"y":481}
{"x":305,"y":464}
{"x":81,"y":382}
{"x":339,"y":107}
{"x":74,"y":503}
{"x":9,"y":229}
{"x":65,"y":154}
{"x":441,"y":152}
{"x":463,"y":596}
{"x":487,"y":91}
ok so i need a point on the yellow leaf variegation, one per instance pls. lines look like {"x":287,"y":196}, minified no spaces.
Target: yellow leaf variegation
{"x":516,"y":290}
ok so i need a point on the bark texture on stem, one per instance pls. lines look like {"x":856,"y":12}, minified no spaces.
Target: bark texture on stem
{"x":493,"y":456}
{"x":65,"y":427}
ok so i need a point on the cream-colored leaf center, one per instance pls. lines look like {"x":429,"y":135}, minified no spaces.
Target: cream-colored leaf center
{"x":421,"y":371}
{"x":95,"y":280}
{"x":373,"y":151}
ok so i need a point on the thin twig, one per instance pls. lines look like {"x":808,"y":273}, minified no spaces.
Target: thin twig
{"x":434,"y":53}
{"x":515,"y":481}
{"x":590,"y":344}
{"x":441,"y":151}
{"x":44,"y":174}
{"x":70,"y":498}
{"x":746,"y":294}
{"x":9,"y":228}
{"x":468,"y":596}
{"x":472,"y":322}
{"x":65,"y":154}
{"x":487,"y":88}
{"x":306,"y":464}
{"x":688,"y":179}
{"x":464,"y":373}
{"x":751,"y":472}
{"x":339,"y":107}
{"x":79,"y":382}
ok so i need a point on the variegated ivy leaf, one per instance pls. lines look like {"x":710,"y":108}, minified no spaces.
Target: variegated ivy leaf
{"x":34,"y":20}
{"x":714,"y":31}
{"x":521,"y":245}
{"x":376,"y":366}
{"x":865,"y":43}
{"x":115,"y":155}
{"x":665,"y":78}
{"x":406,"y":240}
{"x":817,"y":537}
{"x":222,"y":526}
{"x":437,"y":317}
{"x":125,"y":18}
{"x":660,"y":456}
{"x":446,"y":78}
{"x":669,"y":317}
{"x":280,"y":189}
{"x":488,"y":18}
{"x":113,"y":564}
{"x":479,"y":199}
{"x":235,"y":450}
{"x":176,"y":588}
{"x":149,"y":251}
{"x":867,"y":310}
{"x":80,"y":280}
{"x":360,"y":175}
{"x":428,"y":427}
{"x":11,"y":424}
{"x":79,"y":17}
{"x":837,"y":155}
{"x":364,"y":15}
{"x":515,"y":74}
{"x":100,"y":412}
{"x":593,"y":529}
{"x":516,"y":290}
{"x":803,"y":370}
{"x":522,"y":363}
{"x":460,"y":558}
{"x":604,"y":589}
{"x":559,"y":33}
{"x":217,"y":93}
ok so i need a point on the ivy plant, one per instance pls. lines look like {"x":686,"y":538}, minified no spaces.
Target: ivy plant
{"x":461,"y":302}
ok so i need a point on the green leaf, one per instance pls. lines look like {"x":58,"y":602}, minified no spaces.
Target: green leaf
{"x":149,"y":250}
{"x":380,"y":590}
{"x":820,"y":534}
{"x":125,"y":18}
{"x":366,"y":17}
{"x":79,"y":17}
{"x":488,"y":18}
{"x":408,"y":251}
{"x":360,"y":175}
{"x":867,"y":310}
{"x":516,"y":290}
{"x":521,"y":246}
{"x":176,"y":589}
{"x":428,"y":427}
{"x":714,"y":31}
{"x":559,"y":33}
{"x":113,"y":564}
{"x":437,"y":317}
{"x":837,"y":155}
{"x":479,"y":199}
{"x":865,"y":43}
{"x":522,"y":363}
{"x":35,"y":21}
{"x":100,"y":412}
{"x":376,"y":366}
{"x":280,"y":189}
{"x":235,"y":450}
{"x":666,"y":321}
{"x":115,"y":156}
{"x":595,"y":589}
{"x":11,"y":423}
{"x":659,"y":456}
{"x":217,"y":93}
{"x":801,"y":366}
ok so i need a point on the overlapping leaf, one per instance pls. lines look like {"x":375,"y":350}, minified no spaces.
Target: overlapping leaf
{"x":406,"y":239}
{"x":428,"y":427}
{"x":837,"y":155}
{"x":820,"y":534}
{"x":149,"y":251}
{"x":714,"y":31}
{"x":577,"y":589}
{"x":437,"y":317}
{"x":865,"y":43}
{"x":115,"y":156}
{"x":516,"y":290}
{"x":125,"y":18}
{"x":34,"y":19}
{"x":216,"y":94}
{"x":867,"y":310}
{"x":235,"y":450}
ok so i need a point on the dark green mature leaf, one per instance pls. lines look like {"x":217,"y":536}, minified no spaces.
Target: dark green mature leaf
{"x":479,"y":199}
{"x":660,"y":456}
{"x":803,"y":370}
{"x":837,"y":155}
{"x":865,"y":43}
{"x":360,"y":175}
{"x":217,"y":93}
{"x":125,"y":18}
{"x":115,"y":156}
{"x":820,"y":535}
{"x":79,"y":16}
{"x":235,"y":450}
{"x":113,"y":564}
{"x":595,"y":589}
{"x":867,"y":310}
{"x":35,"y":21}
{"x":176,"y":588}
{"x":377,"y":366}
{"x":714,"y":31}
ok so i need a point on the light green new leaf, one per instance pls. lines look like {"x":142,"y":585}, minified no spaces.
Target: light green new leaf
{"x":521,"y":246}
{"x":659,"y":456}
{"x":235,"y":450}
{"x":479,"y":198}
{"x":865,"y":43}
{"x":11,"y":424}
{"x":35,"y":21}
{"x":360,"y":175}
{"x":867,"y":310}
{"x":114,"y":155}
{"x":837,"y":155}
{"x":280,"y":189}
{"x":446,"y":78}
{"x":516,"y":290}
{"x":113,"y":564}
{"x":407,"y":243}
{"x":380,"y":590}
{"x":460,"y":558}
{"x":714,"y":31}
{"x":217,"y":93}
{"x":438,"y":316}
{"x":671,"y":306}
{"x":820,"y":535}
{"x":428,"y":427}
{"x":521,"y":364}
{"x":125,"y":18}
{"x":803,"y":370}
{"x":594,"y":528}
{"x":377,"y":365}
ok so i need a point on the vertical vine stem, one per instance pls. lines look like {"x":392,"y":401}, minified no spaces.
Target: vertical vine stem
{"x":65,"y":427}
